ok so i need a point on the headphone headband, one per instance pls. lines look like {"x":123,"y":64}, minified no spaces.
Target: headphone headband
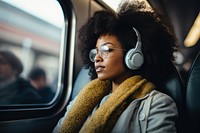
{"x":137,"y":34}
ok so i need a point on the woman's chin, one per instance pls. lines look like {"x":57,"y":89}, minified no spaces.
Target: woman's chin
{"x":102,"y":77}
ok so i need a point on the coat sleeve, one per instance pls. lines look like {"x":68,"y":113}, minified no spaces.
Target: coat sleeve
{"x":60,"y":122}
{"x":163,"y":114}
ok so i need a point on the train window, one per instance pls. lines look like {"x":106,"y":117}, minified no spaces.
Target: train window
{"x":30,"y":47}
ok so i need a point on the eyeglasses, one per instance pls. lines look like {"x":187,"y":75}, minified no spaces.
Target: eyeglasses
{"x":103,"y":52}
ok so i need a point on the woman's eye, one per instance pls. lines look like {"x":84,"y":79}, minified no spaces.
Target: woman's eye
{"x":104,"y":49}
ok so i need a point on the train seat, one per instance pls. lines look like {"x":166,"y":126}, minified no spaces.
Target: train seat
{"x":175,"y":87}
{"x":82,"y":79}
{"x":193,"y":96}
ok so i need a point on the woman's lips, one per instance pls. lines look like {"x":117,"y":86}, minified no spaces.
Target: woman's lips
{"x":99,"y":68}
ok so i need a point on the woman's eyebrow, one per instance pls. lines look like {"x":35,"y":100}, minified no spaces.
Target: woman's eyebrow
{"x":107,"y":43}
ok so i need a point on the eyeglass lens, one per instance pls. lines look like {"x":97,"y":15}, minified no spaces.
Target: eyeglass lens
{"x":103,"y":52}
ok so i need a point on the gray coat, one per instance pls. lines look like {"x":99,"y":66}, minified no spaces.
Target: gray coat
{"x":155,"y":113}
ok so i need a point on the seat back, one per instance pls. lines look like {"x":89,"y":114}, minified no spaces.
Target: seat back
{"x":175,"y":88}
{"x":193,"y":96}
{"x":82,"y":79}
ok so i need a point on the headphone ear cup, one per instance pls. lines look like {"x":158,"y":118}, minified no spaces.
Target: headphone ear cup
{"x":134,"y":59}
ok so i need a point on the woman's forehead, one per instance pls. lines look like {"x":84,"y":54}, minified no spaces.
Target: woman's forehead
{"x":108,"y":40}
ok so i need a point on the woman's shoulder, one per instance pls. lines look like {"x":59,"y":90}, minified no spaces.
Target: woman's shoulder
{"x":158,"y":96}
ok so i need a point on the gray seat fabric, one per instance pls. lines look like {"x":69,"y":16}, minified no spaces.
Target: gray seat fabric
{"x":82,"y":79}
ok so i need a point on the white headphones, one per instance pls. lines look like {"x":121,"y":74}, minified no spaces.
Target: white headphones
{"x":134,"y":57}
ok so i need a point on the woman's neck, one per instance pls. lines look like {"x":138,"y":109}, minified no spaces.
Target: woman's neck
{"x":118,"y":81}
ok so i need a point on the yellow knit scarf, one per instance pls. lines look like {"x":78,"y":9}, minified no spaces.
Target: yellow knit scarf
{"x":105,"y":117}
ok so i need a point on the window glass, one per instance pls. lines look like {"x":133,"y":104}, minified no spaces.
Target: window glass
{"x":30,"y":47}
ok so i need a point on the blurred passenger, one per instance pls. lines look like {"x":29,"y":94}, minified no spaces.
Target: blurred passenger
{"x":38,"y":79}
{"x":14,"y":89}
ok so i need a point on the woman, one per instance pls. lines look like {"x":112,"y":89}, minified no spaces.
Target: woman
{"x":129,"y":53}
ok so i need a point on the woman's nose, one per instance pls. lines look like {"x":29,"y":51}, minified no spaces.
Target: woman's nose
{"x":98,"y":58}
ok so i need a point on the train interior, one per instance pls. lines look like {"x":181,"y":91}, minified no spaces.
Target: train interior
{"x":44,"y":34}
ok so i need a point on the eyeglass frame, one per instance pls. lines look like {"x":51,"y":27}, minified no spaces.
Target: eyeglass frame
{"x":92,"y":55}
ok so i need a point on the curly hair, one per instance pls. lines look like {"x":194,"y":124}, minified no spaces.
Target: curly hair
{"x":157,"y":37}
